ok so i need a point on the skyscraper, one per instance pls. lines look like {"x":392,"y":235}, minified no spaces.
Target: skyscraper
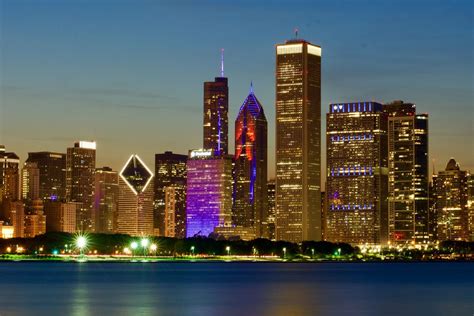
{"x":80,"y":180}
{"x":451,"y":194}
{"x":170,"y":193}
{"x":209,"y":192}
{"x":9,"y":175}
{"x":135,"y":208}
{"x":408,"y":198}
{"x":52,"y":174}
{"x":357,"y":173}
{"x":216,"y":108}
{"x":30,"y":181}
{"x":106,"y":199}
{"x":298,"y":141}
{"x":250,"y":182}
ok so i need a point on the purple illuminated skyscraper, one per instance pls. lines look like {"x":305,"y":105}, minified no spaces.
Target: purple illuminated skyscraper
{"x":215,"y":118}
{"x":250,"y":187}
{"x":208,"y":192}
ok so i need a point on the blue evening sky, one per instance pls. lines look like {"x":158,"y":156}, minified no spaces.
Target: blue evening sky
{"x":129,"y":74}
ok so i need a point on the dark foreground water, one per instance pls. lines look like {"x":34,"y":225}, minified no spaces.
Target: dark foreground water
{"x":49,"y":288}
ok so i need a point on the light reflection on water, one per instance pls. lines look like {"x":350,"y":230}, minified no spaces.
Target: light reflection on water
{"x":83,"y":289}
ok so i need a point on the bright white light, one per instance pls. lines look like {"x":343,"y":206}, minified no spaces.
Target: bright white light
{"x":153,"y":247}
{"x":144,"y":242}
{"x":134,"y":245}
{"x":81,"y":242}
{"x":87,"y":145}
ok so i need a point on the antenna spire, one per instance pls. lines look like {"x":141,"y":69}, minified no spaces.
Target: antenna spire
{"x":222,"y":62}
{"x":251,"y":87}
{"x":296,"y":32}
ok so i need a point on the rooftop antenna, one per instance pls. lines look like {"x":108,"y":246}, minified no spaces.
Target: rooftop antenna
{"x":296,"y":32}
{"x":251,"y":87}
{"x":222,"y":63}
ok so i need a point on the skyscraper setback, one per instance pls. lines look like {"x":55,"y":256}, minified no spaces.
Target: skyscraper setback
{"x":357,"y":173}
{"x":250,"y":182}
{"x":298,"y":141}
{"x":80,"y":180}
{"x":216,"y":108}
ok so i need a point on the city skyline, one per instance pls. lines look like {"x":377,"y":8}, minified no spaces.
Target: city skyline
{"x":35,"y":107}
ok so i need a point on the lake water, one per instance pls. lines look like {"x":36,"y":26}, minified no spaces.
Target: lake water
{"x":230,"y":288}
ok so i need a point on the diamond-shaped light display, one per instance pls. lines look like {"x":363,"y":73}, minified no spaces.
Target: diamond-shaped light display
{"x":136,"y":174}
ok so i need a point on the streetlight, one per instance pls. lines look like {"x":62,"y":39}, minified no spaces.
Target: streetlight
{"x":192,"y":250}
{"x":144,"y":243}
{"x":284,"y":252}
{"x":81,"y":244}
{"x":228,"y":250}
{"x":153,"y":248}
{"x":312,"y":253}
{"x":133,"y":245}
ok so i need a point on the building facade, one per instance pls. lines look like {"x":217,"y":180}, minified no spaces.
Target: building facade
{"x":9,"y":175}
{"x":216,"y":122}
{"x":35,"y":219}
{"x":250,"y":173}
{"x":52,"y":174}
{"x":135,"y":206}
{"x":357,"y":173}
{"x":80,"y":181}
{"x":408,"y":198}
{"x":298,"y":141}
{"x":451,"y":194}
{"x":209,"y":192}
{"x":106,"y":200}
{"x":61,"y":216}
{"x":30,"y":182}
{"x":170,"y":194}
{"x":271,"y":209}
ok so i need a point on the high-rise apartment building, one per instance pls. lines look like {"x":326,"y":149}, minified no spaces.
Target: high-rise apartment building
{"x":357,"y":173}
{"x":250,"y":174}
{"x":135,"y":207}
{"x":408,"y":199}
{"x":298,"y":141}
{"x":106,"y":199}
{"x":12,"y":213}
{"x":216,"y":108}
{"x":451,"y":194}
{"x":170,"y":194}
{"x":80,"y":181}
{"x":30,"y":181}
{"x":52,"y":174}
{"x":209,"y":192}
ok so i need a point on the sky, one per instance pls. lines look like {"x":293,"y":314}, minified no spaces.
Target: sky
{"x":129,"y":74}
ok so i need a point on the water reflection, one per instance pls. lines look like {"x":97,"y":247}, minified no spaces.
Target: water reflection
{"x":235,"y":289}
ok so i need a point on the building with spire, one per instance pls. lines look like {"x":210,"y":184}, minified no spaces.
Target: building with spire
{"x":215,"y":116}
{"x":298,"y":141}
{"x":250,"y":173}
{"x":135,"y":204}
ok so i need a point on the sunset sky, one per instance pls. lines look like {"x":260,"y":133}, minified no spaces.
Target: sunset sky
{"x":129,"y":74}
